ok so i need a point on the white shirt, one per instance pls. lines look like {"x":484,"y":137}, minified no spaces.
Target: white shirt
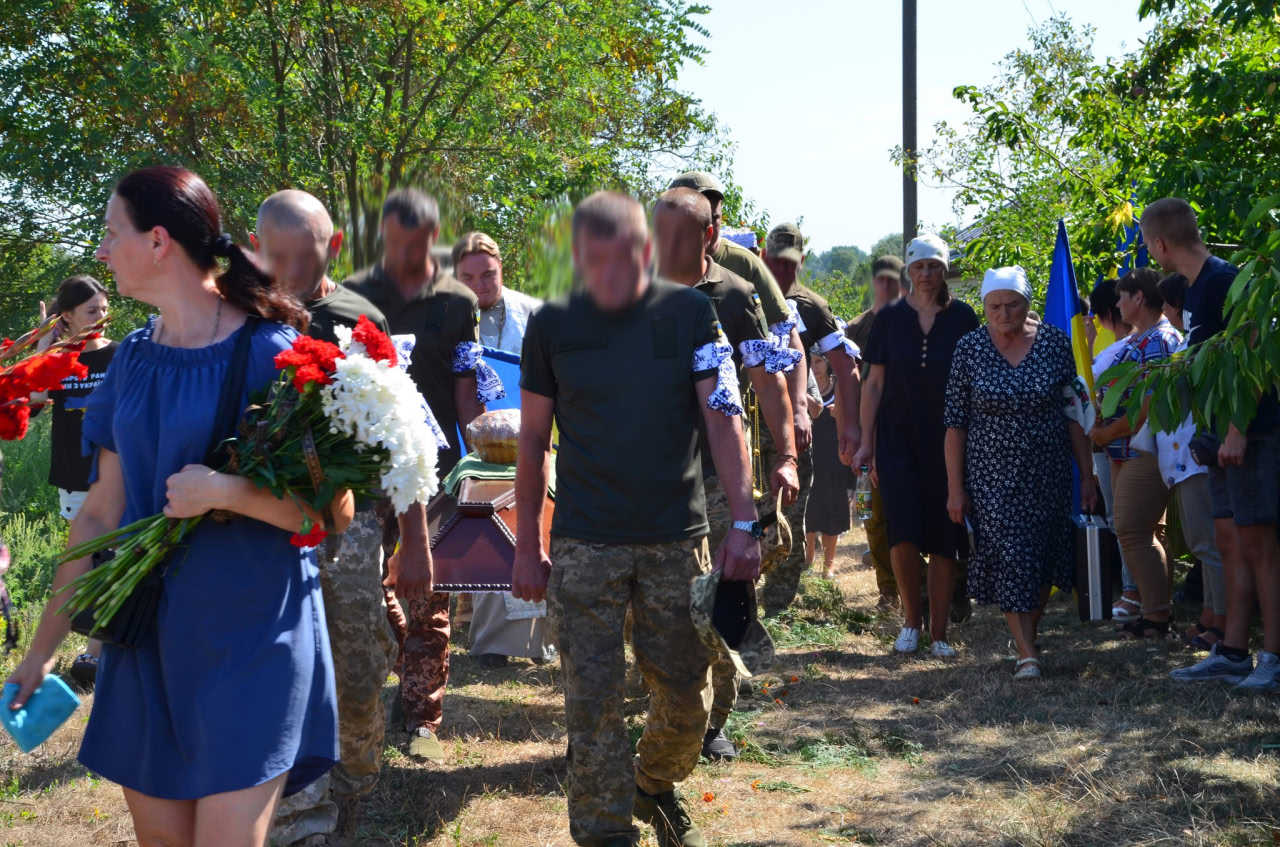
{"x":503,"y":326}
{"x":1174,"y":453}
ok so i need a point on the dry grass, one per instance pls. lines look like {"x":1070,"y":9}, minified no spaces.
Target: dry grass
{"x":865,"y":748}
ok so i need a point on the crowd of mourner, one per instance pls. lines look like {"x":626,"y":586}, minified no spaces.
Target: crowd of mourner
{"x":698,"y":416}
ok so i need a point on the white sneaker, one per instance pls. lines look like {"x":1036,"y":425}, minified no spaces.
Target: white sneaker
{"x":1215,"y":667}
{"x":908,"y":640}
{"x":1265,"y":677}
{"x":942,"y":650}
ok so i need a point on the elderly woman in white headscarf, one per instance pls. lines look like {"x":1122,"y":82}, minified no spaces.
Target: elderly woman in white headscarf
{"x":1014,"y":422}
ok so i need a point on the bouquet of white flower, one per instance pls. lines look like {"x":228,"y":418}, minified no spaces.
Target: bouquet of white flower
{"x":338,"y":417}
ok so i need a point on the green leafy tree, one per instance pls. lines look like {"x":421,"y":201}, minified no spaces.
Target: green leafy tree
{"x":505,"y":107}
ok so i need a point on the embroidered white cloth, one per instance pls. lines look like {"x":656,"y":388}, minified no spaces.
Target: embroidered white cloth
{"x":1077,"y":405}
{"x":719,"y":355}
{"x":783,"y":357}
{"x":404,"y":353}
{"x":470,"y":355}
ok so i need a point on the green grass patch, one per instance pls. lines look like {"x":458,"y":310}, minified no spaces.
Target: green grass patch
{"x":781,"y":785}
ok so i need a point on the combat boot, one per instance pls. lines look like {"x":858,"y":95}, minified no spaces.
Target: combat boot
{"x":668,"y":814}
{"x":348,"y":815}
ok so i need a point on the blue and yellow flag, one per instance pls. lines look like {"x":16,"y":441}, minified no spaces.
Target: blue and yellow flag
{"x":1062,"y":305}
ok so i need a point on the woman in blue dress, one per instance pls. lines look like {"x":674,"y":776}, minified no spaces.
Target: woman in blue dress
{"x":229,"y":703}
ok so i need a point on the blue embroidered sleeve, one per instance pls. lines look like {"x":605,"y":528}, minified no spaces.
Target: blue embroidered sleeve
{"x":718,"y":356}
{"x":469,"y":355}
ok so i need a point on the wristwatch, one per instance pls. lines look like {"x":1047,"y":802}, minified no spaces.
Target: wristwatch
{"x":752,"y":528}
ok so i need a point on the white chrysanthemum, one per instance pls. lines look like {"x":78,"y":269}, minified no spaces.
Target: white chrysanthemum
{"x":379,"y":406}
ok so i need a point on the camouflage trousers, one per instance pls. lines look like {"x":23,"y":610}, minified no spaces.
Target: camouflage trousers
{"x":724,"y":676}
{"x":422,"y":631}
{"x":591,"y":588}
{"x":363,"y":652}
{"x":780,"y":586}
{"x":424,"y":650}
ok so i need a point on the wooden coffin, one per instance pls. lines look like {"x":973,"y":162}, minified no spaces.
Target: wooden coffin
{"x":473,"y":550}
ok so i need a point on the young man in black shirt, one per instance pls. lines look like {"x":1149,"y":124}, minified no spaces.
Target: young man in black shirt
{"x":1246,"y":498}
{"x":296,"y":240}
{"x":627,"y":366}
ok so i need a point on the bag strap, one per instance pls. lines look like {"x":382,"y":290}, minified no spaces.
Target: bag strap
{"x":229,"y":409}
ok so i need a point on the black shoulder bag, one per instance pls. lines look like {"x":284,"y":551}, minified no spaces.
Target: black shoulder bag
{"x":131,"y":625}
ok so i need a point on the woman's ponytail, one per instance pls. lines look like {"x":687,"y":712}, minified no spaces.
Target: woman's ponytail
{"x":246,"y":285}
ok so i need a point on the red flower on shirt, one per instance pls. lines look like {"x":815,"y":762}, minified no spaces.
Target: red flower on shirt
{"x":375,"y":341}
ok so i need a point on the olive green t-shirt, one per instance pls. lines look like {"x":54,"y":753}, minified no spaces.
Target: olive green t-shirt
{"x":627,"y":466}
{"x":342,"y":307}
{"x":818,"y":324}
{"x":741,"y":318}
{"x":441,"y":316}
{"x":752,"y":268}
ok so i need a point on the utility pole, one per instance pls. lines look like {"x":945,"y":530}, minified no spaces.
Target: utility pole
{"x":910,"y":211}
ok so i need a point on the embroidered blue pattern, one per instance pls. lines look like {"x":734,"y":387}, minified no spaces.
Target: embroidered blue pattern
{"x":404,"y":354}
{"x":777,"y":357}
{"x":469,"y":355}
{"x":726,"y":396}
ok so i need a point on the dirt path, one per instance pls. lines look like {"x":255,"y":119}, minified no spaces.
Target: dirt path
{"x":849,"y":745}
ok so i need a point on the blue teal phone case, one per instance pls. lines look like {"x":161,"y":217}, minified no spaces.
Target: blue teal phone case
{"x":46,"y":710}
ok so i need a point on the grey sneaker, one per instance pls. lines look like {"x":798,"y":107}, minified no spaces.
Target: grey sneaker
{"x":1215,"y":668}
{"x":1265,"y":677}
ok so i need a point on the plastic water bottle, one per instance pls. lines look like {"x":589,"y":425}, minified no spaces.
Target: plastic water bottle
{"x":862,"y":494}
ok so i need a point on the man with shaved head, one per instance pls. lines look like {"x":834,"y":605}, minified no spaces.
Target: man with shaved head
{"x":627,"y":366}
{"x":682,"y":223}
{"x":296,"y":240}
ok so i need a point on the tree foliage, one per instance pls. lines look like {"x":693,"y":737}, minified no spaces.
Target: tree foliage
{"x":505,"y":107}
{"x":1191,"y":113}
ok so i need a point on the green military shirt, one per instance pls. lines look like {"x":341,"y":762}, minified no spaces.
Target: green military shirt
{"x":441,"y":316}
{"x":817,"y":323}
{"x":627,"y":467}
{"x":752,"y":268}
{"x":738,"y":307}
{"x":342,"y":307}
{"x":859,"y":330}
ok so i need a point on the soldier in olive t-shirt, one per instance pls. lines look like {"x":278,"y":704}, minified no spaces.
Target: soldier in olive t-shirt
{"x":627,"y":468}
{"x":443,"y":315}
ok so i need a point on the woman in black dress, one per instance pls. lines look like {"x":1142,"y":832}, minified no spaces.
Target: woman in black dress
{"x":827,"y":512}
{"x":902,"y":401}
{"x":1009,"y":446}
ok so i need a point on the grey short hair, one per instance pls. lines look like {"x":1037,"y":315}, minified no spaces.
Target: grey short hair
{"x":412,"y":208}
{"x":685,"y":201}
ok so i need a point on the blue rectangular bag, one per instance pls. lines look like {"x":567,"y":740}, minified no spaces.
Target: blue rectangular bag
{"x":46,"y":710}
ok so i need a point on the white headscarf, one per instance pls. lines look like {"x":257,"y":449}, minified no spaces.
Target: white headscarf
{"x":928,"y":246}
{"x":1012,"y":278}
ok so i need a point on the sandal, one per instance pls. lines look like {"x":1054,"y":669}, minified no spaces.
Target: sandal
{"x":1199,"y":642}
{"x":1200,"y":629}
{"x":1137,"y":630}
{"x":1125,"y":610}
{"x":1031,"y":668}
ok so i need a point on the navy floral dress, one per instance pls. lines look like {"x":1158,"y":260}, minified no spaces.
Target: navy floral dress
{"x":1017,"y":465}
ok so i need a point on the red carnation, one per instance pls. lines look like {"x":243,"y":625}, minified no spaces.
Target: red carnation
{"x":307,"y":374}
{"x":309,"y":351}
{"x":375,"y":341}
{"x":311,"y":539}
{"x":14,"y":417}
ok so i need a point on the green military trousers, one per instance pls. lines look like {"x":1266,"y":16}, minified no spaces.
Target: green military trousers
{"x":591,"y":587}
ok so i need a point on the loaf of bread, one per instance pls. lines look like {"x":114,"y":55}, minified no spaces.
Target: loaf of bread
{"x":494,"y":435}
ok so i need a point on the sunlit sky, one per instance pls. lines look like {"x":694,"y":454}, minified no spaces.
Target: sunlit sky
{"x":811,"y":91}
